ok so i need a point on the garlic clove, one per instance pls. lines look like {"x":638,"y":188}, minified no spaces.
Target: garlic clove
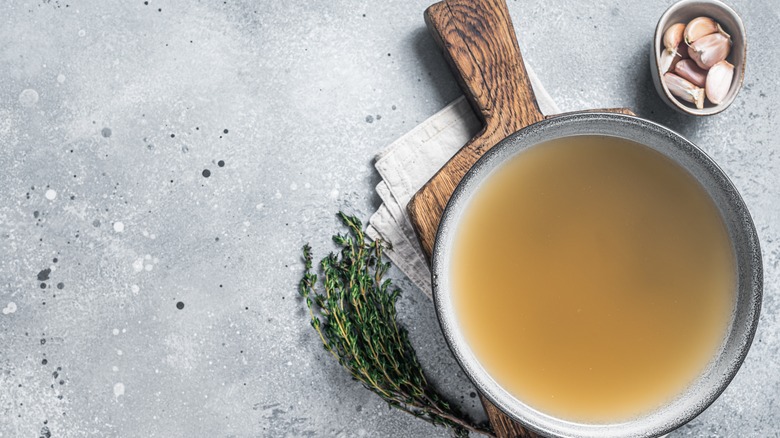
{"x":668,"y":61}
{"x":673,"y":36}
{"x":710,"y":50}
{"x":684,"y":89}
{"x":665,"y":63}
{"x":719,"y":81}
{"x":699,"y":27}
{"x":688,"y":70}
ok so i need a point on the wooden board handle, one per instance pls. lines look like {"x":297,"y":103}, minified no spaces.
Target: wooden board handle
{"x":479,"y":42}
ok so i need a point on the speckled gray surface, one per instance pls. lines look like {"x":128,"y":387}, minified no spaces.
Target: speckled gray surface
{"x":111,"y":111}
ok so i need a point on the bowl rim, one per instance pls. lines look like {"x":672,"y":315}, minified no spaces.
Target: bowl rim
{"x":750,"y":282}
{"x":660,"y":28}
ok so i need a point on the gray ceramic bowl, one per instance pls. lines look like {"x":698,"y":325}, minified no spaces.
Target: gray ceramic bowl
{"x":683,"y":12}
{"x":722,"y":367}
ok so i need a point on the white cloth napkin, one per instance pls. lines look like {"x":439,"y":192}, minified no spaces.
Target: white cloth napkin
{"x":409,"y":162}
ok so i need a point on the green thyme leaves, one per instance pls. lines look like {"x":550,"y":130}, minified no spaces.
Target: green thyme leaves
{"x":352,"y":309}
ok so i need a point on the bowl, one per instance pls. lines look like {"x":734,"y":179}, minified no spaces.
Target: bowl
{"x":683,"y":12}
{"x":723,"y":365}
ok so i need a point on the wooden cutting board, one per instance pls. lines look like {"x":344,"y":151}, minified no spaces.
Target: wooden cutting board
{"x":480,"y":45}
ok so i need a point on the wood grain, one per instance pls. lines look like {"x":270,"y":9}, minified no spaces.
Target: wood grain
{"x":479,"y":43}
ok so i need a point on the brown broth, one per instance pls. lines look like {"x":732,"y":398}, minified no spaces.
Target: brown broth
{"x":593,"y":278}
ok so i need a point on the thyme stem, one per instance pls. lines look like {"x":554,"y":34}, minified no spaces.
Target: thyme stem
{"x":354,"y":315}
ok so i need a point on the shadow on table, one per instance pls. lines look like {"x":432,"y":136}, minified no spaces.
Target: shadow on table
{"x":436,"y":73}
{"x":650,"y":106}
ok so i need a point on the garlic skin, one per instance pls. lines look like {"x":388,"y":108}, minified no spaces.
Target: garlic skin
{"x":700,"y":27}
{"x":719,"y":81}
{"x":673,"y":36}
{"x":710,"y":50}
{"x":688,"y":70}
{"x":682,"y":50}
{"x":684,"y":89}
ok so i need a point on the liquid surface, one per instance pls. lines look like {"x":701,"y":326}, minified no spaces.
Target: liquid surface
{"x":593,"y":278}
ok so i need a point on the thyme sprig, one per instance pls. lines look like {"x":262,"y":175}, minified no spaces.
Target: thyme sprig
{"x":355,"y":316}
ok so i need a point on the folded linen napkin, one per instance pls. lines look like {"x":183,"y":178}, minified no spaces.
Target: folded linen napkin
{"x":409,"y":162}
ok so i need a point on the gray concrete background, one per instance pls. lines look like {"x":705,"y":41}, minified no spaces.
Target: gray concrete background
{"x":109,"y":113}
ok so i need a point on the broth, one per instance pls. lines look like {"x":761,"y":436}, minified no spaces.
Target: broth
{"x":593,"y":278}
